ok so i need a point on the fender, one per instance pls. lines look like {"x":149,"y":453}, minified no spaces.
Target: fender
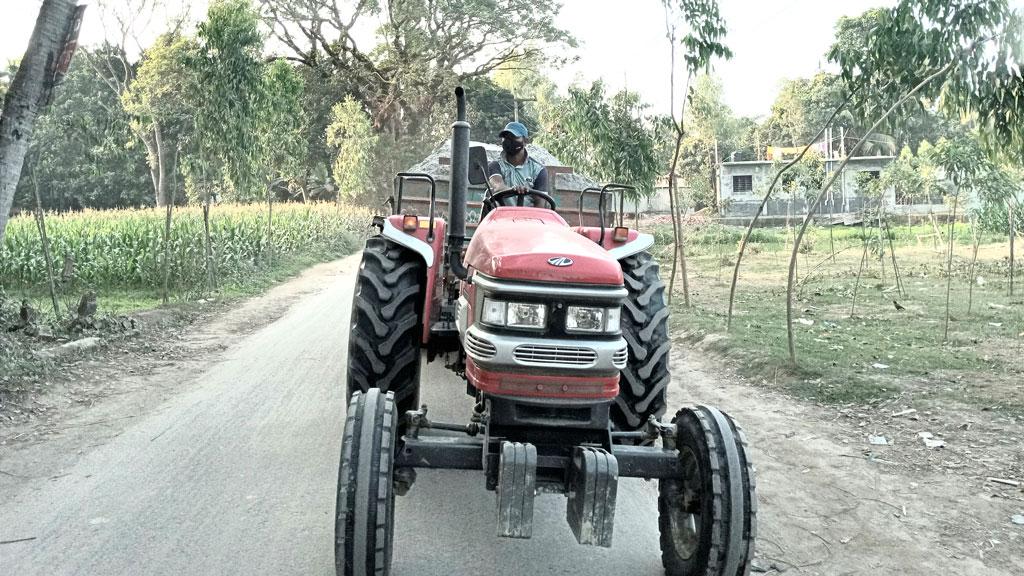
{"x":430,"y":252}
{"x":391,"y":232}
{"x":642,"y":242}
{"x":635,"y":242}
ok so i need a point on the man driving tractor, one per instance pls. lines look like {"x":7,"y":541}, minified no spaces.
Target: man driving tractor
{"x":515,"y":167}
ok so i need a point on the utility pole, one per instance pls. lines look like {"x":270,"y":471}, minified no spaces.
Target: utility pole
{"x":515,"y":106}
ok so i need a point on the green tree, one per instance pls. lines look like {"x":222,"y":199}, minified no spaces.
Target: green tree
{"x":84,"y":153}
{"x":966,"y":52}
{"x":423,"y":49}
{"x":492,"y":107}
{"x":698,"y":28}
{"x":230,"y":69}
{"x":161,"y":102}
{"x":606,"y":138}
{"x":280,"y":141}
{"x":351,"y":134}
{"x":978,"y":48}
{"x":713,"y":133}
{"x":282,"y":124}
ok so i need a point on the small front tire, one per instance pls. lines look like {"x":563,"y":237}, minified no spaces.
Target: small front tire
{"x":708,"y":517}
{"x":365,"y":512}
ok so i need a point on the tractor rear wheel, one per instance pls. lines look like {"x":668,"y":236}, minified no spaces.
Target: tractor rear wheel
{"x":645,"y":378}
{"x":384,"y":343}
{"x":708,"y":517}
{"x":364,"y":524}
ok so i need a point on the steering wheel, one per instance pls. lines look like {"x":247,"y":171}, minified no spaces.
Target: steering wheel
{"x":501,"y":198}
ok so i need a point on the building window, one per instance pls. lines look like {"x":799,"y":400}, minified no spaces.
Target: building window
{"x":874,"y":174}
{"x":743,"y":183}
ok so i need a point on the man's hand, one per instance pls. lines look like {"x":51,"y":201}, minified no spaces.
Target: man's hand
{"x":522,"y":189}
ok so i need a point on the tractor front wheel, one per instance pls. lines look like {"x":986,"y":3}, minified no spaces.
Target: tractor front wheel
{"x":384,"y":343}
{"x":365,"y":512}
{"x":643,"y":382}
{"x":708,"y":516}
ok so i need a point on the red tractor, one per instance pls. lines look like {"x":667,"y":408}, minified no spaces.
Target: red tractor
{"x":561,"y":335}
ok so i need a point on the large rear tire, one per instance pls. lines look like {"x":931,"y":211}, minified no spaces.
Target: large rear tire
{"x":384,"y":343}
{"x":708,"y":517}
{"x":645,"y":378}
{"x":365,"y":512}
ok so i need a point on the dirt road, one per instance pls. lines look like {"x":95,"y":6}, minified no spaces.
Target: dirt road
{"x":226,"y":464}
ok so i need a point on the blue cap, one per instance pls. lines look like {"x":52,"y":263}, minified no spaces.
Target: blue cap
{"x":516,"y":129}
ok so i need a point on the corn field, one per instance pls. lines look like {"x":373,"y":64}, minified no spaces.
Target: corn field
{"x":124,"y":248}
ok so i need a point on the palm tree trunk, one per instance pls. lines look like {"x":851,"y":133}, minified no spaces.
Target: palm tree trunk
{"x":28,"y":94}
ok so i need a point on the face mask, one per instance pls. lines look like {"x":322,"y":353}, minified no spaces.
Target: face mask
{"x":511,"y":147}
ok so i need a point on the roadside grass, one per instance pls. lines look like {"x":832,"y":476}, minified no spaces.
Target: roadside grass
{"x":876,"y":352}
{"x":118,"y":256}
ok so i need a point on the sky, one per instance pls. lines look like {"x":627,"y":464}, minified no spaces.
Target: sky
{"x":621,"y":41}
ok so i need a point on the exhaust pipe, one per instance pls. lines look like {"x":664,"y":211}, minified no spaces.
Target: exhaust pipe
{"x":459,"y":186}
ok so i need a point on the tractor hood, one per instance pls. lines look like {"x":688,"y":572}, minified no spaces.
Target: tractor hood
{"x":536,"y":245}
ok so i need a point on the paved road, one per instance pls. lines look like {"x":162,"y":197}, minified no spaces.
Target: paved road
{"x":236,"y":475}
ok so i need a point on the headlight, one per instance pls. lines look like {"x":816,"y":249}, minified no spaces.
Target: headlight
{"x":587,"y":319}
{"x":526,"y":315}
{"x":493,"y":312}
{"x":513,"y":314}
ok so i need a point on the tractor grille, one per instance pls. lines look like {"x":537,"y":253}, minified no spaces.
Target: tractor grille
{"x":620,"y":358}
{"x":478,"y":347}
{"x":549,"y":355}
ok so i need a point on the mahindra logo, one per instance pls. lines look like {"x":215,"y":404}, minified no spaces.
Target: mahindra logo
{"x":560,"y":261}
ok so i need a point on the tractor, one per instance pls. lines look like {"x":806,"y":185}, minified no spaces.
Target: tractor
{"x":561,"y":334}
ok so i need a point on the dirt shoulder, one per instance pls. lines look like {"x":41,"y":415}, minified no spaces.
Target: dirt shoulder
{"x":832,"y":503}
{"x":91,"y":396}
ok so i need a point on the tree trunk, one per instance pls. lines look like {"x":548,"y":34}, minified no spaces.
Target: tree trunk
{"x":881,"y":242}
{"x":679,"y":253}
{"x":28,"y":94}
{"x":974,"y":261}
{"x":895,"y":267}
{"x":1012,"y":234}
{"x":949,"y":266}
{"x":47,"y":255}
{"x":790,"y":336}
{"x":764,"y":202}
{"x":270,"y":224}
{"x":681,"y":246}
{"x":153,"y":163}
{"x":170,"y":207}
{"x":675,"y":239}
{"x":860,"y":271}
{"x":208,"y":246}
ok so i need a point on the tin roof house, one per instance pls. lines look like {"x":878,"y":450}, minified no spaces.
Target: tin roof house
{"x":742,"y":186}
